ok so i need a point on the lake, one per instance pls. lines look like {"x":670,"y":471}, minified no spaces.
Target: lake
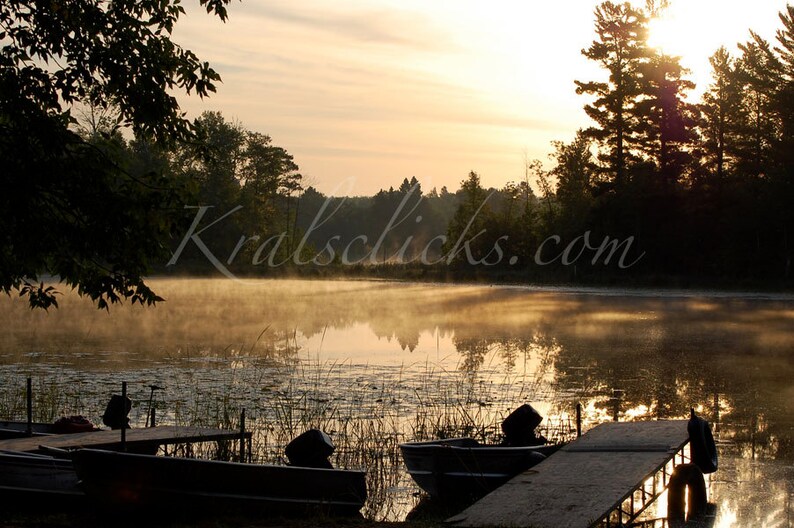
{"x":376,"y":363}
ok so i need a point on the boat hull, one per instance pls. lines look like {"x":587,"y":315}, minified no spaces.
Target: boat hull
{"x":28,"y":479}
{"x":12,"y":429}
{"x":19,"y":429}
{"x":459,"y":469}
{"x":193,"y":485}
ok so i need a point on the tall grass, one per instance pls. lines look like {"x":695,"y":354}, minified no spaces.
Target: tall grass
{"x":367,"y":410}
{"x":52,"y":399}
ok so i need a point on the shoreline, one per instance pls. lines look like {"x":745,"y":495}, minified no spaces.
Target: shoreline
{"x":767,"y":292}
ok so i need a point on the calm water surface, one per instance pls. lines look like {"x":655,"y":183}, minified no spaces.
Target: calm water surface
{"x":376,"y":363}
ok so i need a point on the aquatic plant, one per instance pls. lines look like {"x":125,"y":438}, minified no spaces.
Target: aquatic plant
{"x":368,"y":410}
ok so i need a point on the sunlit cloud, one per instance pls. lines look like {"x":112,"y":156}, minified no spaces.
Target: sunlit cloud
{"x":379,"y":25}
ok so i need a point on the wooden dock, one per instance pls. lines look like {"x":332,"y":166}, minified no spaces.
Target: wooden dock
{"x":608,"y":475}
{"x":144,"y":437}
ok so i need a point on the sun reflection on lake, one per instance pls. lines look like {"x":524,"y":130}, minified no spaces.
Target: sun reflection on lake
{"x":397,"y":356}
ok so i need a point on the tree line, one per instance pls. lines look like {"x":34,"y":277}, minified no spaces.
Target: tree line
{"x":704,"y":188}
{"x":701,"y":189}
{"x":694,"y":189}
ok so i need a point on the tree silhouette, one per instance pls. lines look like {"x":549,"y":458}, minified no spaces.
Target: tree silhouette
{"x":723,"y":115}
{"x":668,"y":120}
{"x":69,"y":208}
{"x":575,"y":171}
{"x":760,"y":69}
{"x":620,"y":48}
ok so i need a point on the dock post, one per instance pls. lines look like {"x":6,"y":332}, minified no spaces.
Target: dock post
{"x":154,"y":417}
{"x":617,"y":395}
{"x":29,"y":390}
{"x":123,"y":425}
{"x":242,"y":435}
{"x":578,"y":420}
{"x":150,"y":409}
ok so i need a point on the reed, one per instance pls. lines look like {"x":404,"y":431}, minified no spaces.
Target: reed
{"x":367,"y":410}
{"x":51,"y":399}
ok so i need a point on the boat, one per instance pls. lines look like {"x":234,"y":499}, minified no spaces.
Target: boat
{"x":463,"y":469}
{"x":37,"y":479}
{"x":194,"y":485}
{"x":64,"y":425}
{"x":10,"y":429}
{"x":115,"y":417}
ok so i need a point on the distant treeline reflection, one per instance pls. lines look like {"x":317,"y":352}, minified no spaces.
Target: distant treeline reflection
{"x":729,"y":356}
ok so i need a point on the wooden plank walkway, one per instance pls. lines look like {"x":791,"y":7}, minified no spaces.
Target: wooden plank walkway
{"x":150,"y":436}
{"x":582,"y":483}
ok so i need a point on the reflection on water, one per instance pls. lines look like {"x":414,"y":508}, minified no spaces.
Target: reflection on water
{"x":394,"y":357}
{"x":754,"y":493}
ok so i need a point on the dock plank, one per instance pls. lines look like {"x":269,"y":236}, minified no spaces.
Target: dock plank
{"x":583,"y":481}
{"x":161,"y":435}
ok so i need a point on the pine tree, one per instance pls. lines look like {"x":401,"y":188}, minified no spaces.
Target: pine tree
{"x":723,"y":115}
{"x":575,"y":173}
{"x":620,"y":48}
{"x":785,"y":94}
{"x":472,"y":217}
{"x":784,"y":186}
{"x":667,"y":120}
{"x":762,"y":75}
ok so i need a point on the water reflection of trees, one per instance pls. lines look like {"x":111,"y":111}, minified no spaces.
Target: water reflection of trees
{"x":732,"y":361}
{"x":729,"y":357}
{"x":506,"y":351}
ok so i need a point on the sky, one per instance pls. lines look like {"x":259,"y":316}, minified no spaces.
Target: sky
{"x":366,"y":93}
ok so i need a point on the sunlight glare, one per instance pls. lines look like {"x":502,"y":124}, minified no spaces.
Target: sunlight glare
{"x":662,"y":35}
{"x":682,"y":34}
{"x":694,"y":31}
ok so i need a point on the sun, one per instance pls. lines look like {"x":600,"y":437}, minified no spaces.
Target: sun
{"x":694,"y":29}
{"x":663,"y":35}
{"x":687,"y":30}
{"x":683,"y":32}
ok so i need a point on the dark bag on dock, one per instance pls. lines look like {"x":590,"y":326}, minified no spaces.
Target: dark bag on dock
{"x":116,"y":412}
{"x":72,"y":424}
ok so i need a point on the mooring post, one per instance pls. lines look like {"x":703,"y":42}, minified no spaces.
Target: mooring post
{"x":578,"y":420}
{"x":29,"y":428}
{"x":242,"y":435}
{"x":154,"y":417}
{"x":150,"y":409}
{"x":123,"y":425}
{"x":617,"y":395}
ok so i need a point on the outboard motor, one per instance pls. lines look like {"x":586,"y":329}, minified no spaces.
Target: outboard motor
{"x":116,"y":412}
{"x":311,"y":449}
{"x":519,"y":427}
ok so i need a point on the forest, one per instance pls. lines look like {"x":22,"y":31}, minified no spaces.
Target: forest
{"x":686,"y":191}
{"x":659,"y":189}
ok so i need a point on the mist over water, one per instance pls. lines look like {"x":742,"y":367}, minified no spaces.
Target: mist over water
{"x":376,"y":346}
